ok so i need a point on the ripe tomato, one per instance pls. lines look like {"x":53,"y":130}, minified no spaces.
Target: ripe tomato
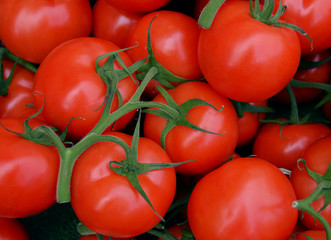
{"x":20,"y":92}
{"x":317,"y":157}
{"x":314,"y":18}
{"x":246,"y":198}
{"x":249,"y":124}
{"x":182,"y":143}
{"x":174,"y":40}
{"x":284,"y":147}
{"x":28,"y":172}
{"x":107,"y":203}
{"x":113,"y":24}
{"x":314,"y":234}
{"x":138,"y":6}
{"x":31,"y":29}
{"x":12,"y":229}
{"x":72,"y":88}
{"x":244,"y":59}
{"x":321,"y":74}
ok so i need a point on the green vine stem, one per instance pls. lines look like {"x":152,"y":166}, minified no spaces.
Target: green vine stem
{"x":208,"y":13}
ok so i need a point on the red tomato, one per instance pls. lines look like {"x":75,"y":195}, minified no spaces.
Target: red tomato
{"x":20,"y":92}
{"x":182,"y":143}
{"x":284,"y":147}
{"x":246,"y":198}
{"x":174,"y":40}
{"x":176,"y":230}
{"x":320,"y":74}
{"x":94,"y":237}
{"x":249,"y":124}
{"x":12,"y":229}
{"x":107,"y":203}
{"x":31,"y":29}
{"x":72,"y":88}
{"x":28,"y":172}
{"x":314,"y":234}
{"x":138,"y":6}
{"x":314,"y":18}
{"x":244,"y":59}
{"x":113,"y":24}
{"x":317,"y":157}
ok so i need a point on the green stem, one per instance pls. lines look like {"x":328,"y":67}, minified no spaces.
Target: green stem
{"x":208,"y":13}
{"x":294,"y":118}
{"x":24,"y":63}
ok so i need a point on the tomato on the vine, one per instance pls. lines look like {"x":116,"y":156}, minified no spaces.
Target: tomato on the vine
{"x":244,"y":59}
{"x":317,"y":158}
{"x":246,"y":198}
{"x":314,"y":234}
{"x":31,"y":29}
{"x":71,"y":88}
{"x":182,"y":143}
{"x":28,"y":172}
{"x":107,"y":203}
{"x":142,"y":6}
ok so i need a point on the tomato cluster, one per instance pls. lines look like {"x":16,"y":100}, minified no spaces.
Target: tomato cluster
{"x":165,"y":119}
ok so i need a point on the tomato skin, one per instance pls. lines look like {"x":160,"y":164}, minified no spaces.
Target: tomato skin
{"x":246,"y":198}
{"x":321,"y":74}
{"x":230,"y":56}
{"x":28,"y":177}
{"x":20,"y":92}
{"x":174,"y":40}
{"x":314,"y":18}
{"x":12,"y":229}
{"x":98,"y":194}
{"x":31,"y":29}
{"x":141,"y":6}
{"x":72,"y":88}
{"x":284,"y":147}
{"x":249,"y":124}
{"x":314,"y":234}
{"x":317,"y":157}
{"x":182,"y":143}
{"x":113,"y":24}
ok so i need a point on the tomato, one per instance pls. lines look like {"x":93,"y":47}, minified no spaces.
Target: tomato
{"x":283,"y":147}
{"x":176,"y":230}
{"x":94,"y":237}
{"x":314,"y":234}
{"x":327,"y":110}
{"x":321,"y":74}
{"x":174,"y":40}
{"x":182,"y":143}
{"x":28,"y":172}
{"x":139,"y":6}
{"x":12,"y":229}
{"x":246,"y":198}
{"x":20,"y":92}
{"x":31,"y":29}
{"x":112,"y":24}
{"x":249,"y":124}
{"x":244,"y":59}
{"x":107,"y":203}
{"x":72,"y":88}
{"x":314,"y":18}
{"x":317,"y":157}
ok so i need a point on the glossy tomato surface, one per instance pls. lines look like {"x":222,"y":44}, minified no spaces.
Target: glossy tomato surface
{"x":31,"y":29}
{"x":284,"y":146}
{"x":107,"y":203}
{"x":139,"y":6}
{"x":246,"y":198}
{"x":317,"y":157}
{"x":70,"y":87}
{"x":113,"y":24}
{"x":244,"y":59}
{"x":183,"y":143}
{"x":28,"y":172}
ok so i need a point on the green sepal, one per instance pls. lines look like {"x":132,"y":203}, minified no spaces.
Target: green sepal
{"x":242,"y":107}
{"x":323,"y":86}
{"x":305,"y":64}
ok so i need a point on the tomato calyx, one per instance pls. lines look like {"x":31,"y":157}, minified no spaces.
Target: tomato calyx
{"x":242,"y":107}
{"x":180,"y":115}
{"x":163,"y":75}
{"x":322,"y":190}
{"x":4,"y":83}
{"x":131,"y":168}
